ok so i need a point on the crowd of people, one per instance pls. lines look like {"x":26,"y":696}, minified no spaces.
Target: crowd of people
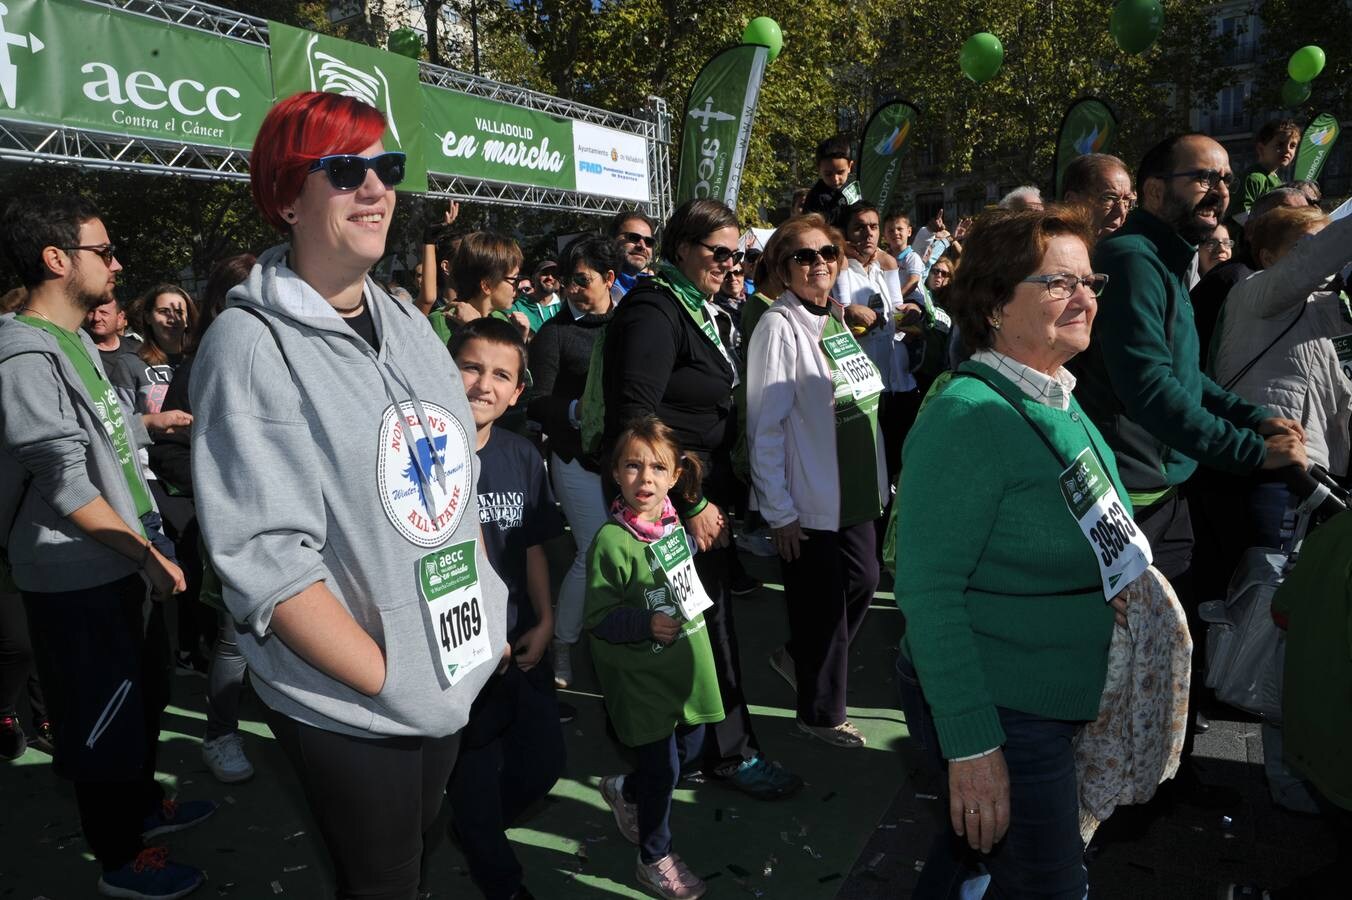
{"x":1052,"y":430}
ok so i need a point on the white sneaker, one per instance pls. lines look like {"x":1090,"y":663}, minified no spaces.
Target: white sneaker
{"x":563,"y":666}
{"x":225,"y":758}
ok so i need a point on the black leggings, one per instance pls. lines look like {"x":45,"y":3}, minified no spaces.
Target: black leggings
{"x":16,"y":660}
{"x":375,"y":801}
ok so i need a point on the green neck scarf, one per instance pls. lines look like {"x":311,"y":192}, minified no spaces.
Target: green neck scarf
{"x":692,"y":300}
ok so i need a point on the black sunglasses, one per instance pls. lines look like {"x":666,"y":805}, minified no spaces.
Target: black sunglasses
{"x":807,"y":255}
{"x":106,"y":251}
{"x":723,"y":254}
{"x":347,"y":171}
{"x":634,"y":237}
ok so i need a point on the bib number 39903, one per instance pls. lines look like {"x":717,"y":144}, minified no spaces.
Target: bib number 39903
{"x":678,"y":568}
{"x":449,"y":580}
{"x":1120,"y":548}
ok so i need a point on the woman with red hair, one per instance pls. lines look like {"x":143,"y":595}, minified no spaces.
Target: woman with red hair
{"x":334,"y":472}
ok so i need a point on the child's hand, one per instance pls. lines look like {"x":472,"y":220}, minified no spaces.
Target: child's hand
{"x":531,"y":647}
{"x":665,"y":628}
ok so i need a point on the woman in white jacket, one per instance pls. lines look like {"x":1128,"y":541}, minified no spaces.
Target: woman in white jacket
{"x":1285,"y":341}
{"x":817,"y":467}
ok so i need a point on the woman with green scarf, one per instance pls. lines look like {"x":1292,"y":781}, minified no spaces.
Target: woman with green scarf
{"x":664,"y":357}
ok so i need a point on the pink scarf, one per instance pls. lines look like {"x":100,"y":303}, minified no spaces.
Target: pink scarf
{"x":645,"y":531}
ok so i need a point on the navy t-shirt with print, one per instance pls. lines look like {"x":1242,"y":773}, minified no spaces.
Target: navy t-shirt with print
{"x":516,"y":511}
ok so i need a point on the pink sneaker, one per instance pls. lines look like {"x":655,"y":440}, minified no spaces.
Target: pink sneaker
{"x":626,"y":814}
{"x":670,"y":877}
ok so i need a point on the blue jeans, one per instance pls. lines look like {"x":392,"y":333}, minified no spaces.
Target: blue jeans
{"x":1041,"y":855}
{"x":657,"y":768}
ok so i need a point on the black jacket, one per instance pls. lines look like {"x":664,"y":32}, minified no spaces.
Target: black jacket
{"x":560,"y":355}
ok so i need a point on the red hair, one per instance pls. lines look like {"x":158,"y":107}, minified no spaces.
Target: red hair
{"x":298,"y":131}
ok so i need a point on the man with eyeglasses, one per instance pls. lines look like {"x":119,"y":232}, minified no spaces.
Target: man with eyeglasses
{"x":538,"y":299}
{"x":1141,"y":381}
{"x":84,"y":545}
{"x":1101,"y":184}
{"x":635,"y":234}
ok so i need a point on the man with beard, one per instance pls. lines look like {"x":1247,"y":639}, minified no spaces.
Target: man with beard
{"x":1141,"y":381}
{"x":634,"y":232}
{"x":84,"y":545}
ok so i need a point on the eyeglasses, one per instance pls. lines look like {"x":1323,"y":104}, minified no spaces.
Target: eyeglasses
{"x":106,"y":251}
{"x":735,"y":273}
{"x":1214,"y":244}
{"x":347,"y":171}
{"x":517,"y":280}
{"x":634,"y":237}
{"x":581,"y":279}
{"x":1062,"y":284}
{"x":1109,"y":199}
{"x":723,"y":254}
{"x":940,"y":273}
{"x":807,"y":255}
{"x":1208,"y":177}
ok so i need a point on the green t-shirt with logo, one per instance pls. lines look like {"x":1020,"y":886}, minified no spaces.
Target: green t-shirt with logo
{"x":856,"y":434}
{"x":649,"y":688}
{"x":106,"y":404}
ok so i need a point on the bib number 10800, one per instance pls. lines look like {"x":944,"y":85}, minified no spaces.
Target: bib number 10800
{"x":460,"y":623}
{"x":1112,"y":533}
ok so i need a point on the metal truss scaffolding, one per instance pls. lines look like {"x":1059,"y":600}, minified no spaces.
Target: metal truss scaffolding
{"x":84,"y":148}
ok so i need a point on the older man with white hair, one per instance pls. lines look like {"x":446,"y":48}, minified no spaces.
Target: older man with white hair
{"x":1023,"y":197}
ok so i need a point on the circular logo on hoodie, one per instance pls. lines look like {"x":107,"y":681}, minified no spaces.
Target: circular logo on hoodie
{"x":425,"y":508}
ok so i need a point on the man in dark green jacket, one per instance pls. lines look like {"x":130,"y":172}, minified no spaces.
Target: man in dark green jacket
{"x":1141,"y":380}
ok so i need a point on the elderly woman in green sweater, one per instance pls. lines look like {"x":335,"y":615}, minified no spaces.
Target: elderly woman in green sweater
{"x":1010,"y":584}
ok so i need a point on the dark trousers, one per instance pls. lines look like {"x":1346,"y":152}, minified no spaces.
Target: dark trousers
{"x":1041,"y":854}
{"x":511,"y":753}
{"x":105,"y":673}
{"x":827,"y":590}
{"x":896,"y":415}
{"x":657,"y":768}
{"x":375,"y":801}
{"x":16,"y":660}
{"x":732,"y":740}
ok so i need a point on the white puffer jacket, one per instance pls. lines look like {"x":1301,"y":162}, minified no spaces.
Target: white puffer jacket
{"x":1300,"y":376}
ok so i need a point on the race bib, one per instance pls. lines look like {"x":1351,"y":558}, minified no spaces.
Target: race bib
{"x":851,"y":192}
{"x":449,"y":580}
{"x":678,"y":569}
{"x":1342,"y":345}
{"x":1120,"y":548}
{"x":859,"y":371}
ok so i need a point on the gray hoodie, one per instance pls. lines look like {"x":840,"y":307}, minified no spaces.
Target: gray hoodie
{"x":302,"y":472}
{"x":56,"y":457}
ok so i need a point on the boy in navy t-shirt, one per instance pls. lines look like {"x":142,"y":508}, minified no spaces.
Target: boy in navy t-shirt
{"x":511,"y":752}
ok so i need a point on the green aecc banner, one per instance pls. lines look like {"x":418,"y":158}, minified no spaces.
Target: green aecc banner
{"x":885,"y":139}
{"x":1315,"y":145}
{"x":716,"y":129}
{"x":1089,"y":126}
{"x":63,"y":62}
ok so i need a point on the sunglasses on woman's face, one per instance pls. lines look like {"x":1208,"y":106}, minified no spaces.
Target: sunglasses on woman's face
{"x":723,"y":254}
{"x":347,"y":171}
{"x":808,"y":255}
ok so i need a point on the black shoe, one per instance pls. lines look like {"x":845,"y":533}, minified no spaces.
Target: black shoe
{"x":44,"y":739}
{"x":743,"y":584}
{"x":567,"y":712}
{"x":1201,"y":724}
{"x":191,"y":664}
{"x":523,"y":894}
{"x":12,"y":742}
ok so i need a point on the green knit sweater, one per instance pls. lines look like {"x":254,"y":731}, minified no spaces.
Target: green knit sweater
{"x":1001,"y":591}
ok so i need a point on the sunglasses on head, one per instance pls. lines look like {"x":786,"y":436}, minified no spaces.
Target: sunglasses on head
{"x":634,"y":237}
{"x":723,"y":254}
{"x":347,"y":171}
{"x":808,"y":255}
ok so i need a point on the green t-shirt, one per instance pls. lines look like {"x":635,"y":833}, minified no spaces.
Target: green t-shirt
{"x":856,"y":431}
{"x":649,"y":688}
{"x":1256,"y":184}
{"x":440,"y":324}
{"x":106,"y":404}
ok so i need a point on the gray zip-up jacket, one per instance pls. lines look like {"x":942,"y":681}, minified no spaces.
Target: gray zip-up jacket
{"x":57,"y":457}
{"x":317,"y":458}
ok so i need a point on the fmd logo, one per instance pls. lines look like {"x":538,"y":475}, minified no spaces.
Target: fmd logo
{"x":590,"y":168}
{"x":9,"y":72}
{"x":330,"y":74}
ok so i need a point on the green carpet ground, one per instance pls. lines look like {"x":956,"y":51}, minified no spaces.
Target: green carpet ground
{"x":261,"y":843}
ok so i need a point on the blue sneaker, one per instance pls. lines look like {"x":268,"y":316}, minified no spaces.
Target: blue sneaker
{"x":764,"y":780}
{"x":151,"y":876}
{"x":175,"y":816}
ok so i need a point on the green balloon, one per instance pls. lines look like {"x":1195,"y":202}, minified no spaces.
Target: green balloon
{"x":1306,"y":64}
{"x":1294,"y":93}
{"x":405,"y":42}
{"x":764,"y":30}
{"x":981,"y":57}
{"x":1136,"y":24}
